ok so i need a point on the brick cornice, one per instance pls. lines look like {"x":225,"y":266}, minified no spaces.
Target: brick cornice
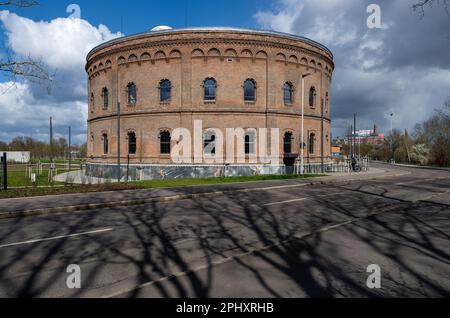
{"x":177,"y":43}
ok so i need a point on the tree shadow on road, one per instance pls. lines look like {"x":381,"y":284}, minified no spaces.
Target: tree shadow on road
{"x":186,"y":248}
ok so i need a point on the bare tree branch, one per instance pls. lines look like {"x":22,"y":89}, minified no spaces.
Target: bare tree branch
{"x":421,"y":4}
{"x":19,"y":3}
{"x":32,"y":70}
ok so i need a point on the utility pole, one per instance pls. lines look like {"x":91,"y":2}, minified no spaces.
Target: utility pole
{"x":119,"y":172}
{"x":354,"y":138}
{"x":321,"y":138}
{"x":351,"y":141}
{"x":70,"y":146}
{"x":392,"y":136}
{"x":302,"y":164}
{"x":51,"y":138}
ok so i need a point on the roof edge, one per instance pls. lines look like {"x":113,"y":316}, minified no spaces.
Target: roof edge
{"x":197,"y":29}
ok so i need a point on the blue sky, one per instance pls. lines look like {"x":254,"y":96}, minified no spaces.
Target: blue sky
{"x":141,"y":15}
{"x":378,"y":71}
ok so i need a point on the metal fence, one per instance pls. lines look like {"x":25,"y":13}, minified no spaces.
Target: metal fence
{"x":3,"y":172}
{"x":345,"y":166}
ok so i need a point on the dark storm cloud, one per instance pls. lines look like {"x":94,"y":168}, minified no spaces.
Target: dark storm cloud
{"x":402,"y":68}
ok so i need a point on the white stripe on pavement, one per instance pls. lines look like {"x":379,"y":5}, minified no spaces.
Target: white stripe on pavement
{"x":56,"y":238}
{"x":283,"y":202}
{"x":301,"y":199}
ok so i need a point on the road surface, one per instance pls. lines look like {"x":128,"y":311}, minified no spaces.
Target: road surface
{"x":293,"y":241}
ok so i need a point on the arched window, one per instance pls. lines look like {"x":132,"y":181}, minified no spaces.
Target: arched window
{"x":312,"y":97}
{"x":92,"y":100}
{"x":132,"y":94}
{"x":209,"y":143}
{"x":327,"y":101}
{"x":312,"y":142}
{"x":250,"y":90}
{"x":92,"y":143}
{"x":165,"y":142}
{"x":105,"y":95}
{"x":131,"y":143}
{"x":210,"y":86}
{"x":250,"y":148}
{"x":288,"y":93}
{"x":165,"y":91}
{"x":288,"y":142}
{"x":105,"y":144}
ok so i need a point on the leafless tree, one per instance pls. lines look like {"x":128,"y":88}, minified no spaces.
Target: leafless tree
{"x":421,"y":4}
{"x":28,"y":68}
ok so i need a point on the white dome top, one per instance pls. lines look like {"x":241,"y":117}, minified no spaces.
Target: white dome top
{"x":161,"y":28}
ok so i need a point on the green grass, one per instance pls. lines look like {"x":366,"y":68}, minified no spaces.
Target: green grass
{"x":17,"y":176}
{"x":46,"y":161}
{"x":170,"y":183}
{"x":212,"y":181}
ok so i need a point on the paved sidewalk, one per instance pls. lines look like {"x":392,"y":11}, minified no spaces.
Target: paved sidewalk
{"x":94,"y":200}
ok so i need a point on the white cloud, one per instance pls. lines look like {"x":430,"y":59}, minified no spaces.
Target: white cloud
{"x":24,"y":115}
{"x":62,"y":45}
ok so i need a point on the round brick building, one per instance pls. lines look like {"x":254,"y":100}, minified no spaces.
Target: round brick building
{"x":224,"y":77}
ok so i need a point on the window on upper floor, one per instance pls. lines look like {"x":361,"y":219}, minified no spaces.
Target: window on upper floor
{"x":249,"y":90}
{"x":131,"y":94}
{"x":312,"y":97}
{"x":288,"y":93}
{"x":92,"y":102}
{"x":105,"y":95}
{"x":165,"y":91}
{"x":210,"y":86}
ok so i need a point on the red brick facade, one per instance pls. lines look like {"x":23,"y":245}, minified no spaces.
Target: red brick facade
{"x":187,"y":58}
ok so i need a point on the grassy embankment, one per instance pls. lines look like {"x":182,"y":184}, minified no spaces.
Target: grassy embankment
{"x":30,"y":191}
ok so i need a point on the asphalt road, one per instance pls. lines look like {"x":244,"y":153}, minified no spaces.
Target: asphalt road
{"x":305,"y":241}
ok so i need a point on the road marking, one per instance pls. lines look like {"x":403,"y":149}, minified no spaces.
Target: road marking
{"x":56,"y":238}
{"x":301,"y":199}
{"x":283,"y":202}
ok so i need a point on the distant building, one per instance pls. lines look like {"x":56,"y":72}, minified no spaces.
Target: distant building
{"x":17,"y":156}
{"x":336,"y":152}
{"x":368,"y":137}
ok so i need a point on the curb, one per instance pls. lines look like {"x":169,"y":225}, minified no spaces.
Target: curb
{"x":132,"y":202}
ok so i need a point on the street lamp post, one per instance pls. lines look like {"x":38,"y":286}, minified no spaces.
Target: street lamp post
{"x":302,"y":145}
{"x":392,"y":136}
{"x":70,"y":149}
